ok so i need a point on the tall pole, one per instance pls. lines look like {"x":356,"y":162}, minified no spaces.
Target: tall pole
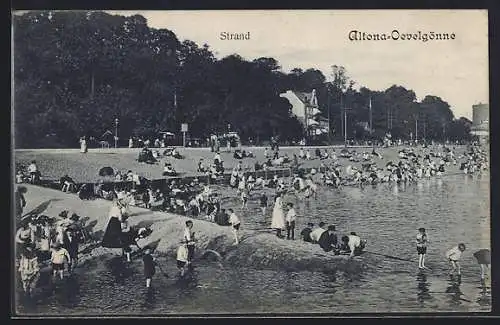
{"x":116,"y":132}
{"x":425,"y":134}
{"x":341,"y":110}
{"x":307,"y":126}
{"x":388,"y":114}
{"x":345,"y":127}
{"x":416,"y":129}
{"x":371,"y":119}
{"x":329,"y":130}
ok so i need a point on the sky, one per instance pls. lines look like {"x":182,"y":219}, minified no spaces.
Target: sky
{"x":455,"y":70}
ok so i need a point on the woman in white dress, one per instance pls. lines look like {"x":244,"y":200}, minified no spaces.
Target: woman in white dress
{"x":83,"y":145}
{"x":278,"y":220}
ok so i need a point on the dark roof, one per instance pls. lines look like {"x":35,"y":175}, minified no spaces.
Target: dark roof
{"x":304,"y":97}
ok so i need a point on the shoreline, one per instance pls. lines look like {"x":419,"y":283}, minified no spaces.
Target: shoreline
{"x":84,"y":168}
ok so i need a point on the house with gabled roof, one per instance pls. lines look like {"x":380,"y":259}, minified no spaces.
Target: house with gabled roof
{"x":305,"y":107}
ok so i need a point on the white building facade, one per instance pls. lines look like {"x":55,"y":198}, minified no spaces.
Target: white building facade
{"x":305,"y":107}
{"x":480,"y":122}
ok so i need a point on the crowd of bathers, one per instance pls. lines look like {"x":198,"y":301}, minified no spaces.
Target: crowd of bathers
{"x":54,"y":239}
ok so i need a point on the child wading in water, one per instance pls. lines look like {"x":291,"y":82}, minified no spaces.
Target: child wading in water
{"x":263,"y":204}
{"x":290,"y":221}
{"x":454,"y":256}
{"x":421,"y":247}
{"x":244,"y":198}
{"x":149,"y":266}
{"x":190,"y":240}
{"x":182,"y":258}
{"x":235,"y":224}
{"x":59,"y":256}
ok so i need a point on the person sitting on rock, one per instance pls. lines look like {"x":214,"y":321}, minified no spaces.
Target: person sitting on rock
{"x":34,"y":172}
{"x":278,"y":161}
{"x":219,"y":167}
{"x":317,"y":152}
{"x":302,"y":154}
{"x":352,"y":244}
{"x":143,"y":155}
{"x":316,"y":233}
{"x":257,"y":166}
{"x":67,"y":183}
{"x":168,"y":170}
{"x":238,"y":154}
{"x":324,"y":155}
{"x":306,"y":232}
{"x":308,"y":155}
{"x":217,"y":157}
{"x":376,"y":154}
{"x":176,"y":154}
{"x":201,"y":166}
{"x":328,"y":239}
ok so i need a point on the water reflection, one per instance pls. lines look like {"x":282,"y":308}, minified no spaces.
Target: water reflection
{"x":119,"y":269}
{"x":149,"y":298}
{"x":454,"y":290}
{"x":423,"y":293}
{"x":439,"y":183}
{"x":189,"y":281}
{"x":70,"y":293}
{"x":484,"y":298}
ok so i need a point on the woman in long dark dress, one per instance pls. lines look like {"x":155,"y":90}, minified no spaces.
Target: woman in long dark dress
{"x":113,"y":235}
{"x":483,"y":257}
{"x":149,"y":266}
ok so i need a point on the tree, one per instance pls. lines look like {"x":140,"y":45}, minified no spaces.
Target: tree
{"x":438,"y":116}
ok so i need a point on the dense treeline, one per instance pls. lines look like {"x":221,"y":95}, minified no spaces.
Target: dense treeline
{"x":76,"y":72}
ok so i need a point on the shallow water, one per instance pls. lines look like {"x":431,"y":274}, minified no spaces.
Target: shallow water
{"x":453,"y":209}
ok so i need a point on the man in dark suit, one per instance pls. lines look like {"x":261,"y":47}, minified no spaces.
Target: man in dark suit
{"x":328,"y":239}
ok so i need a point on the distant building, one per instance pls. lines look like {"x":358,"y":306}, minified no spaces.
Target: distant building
{"x":305,"y":107}
{"x":480,"y":122}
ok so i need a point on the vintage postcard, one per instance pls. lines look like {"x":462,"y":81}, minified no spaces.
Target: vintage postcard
{"x":250,"y":162}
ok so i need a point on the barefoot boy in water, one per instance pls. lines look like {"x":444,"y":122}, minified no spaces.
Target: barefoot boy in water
{"x":421,"y":247}
{"x":189,"y":239}
{"x":235,"y":224}
{"x":182,"y":258}
{"x":59,"y":256}
{"x":263,"y":204}
{"x":454,"y":256}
